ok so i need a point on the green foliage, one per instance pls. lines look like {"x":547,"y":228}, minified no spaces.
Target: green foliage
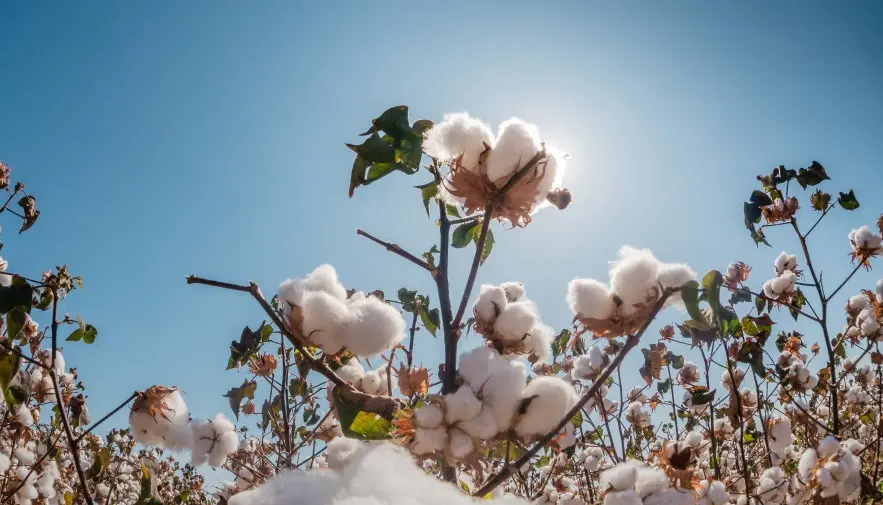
{"x":357,"y":423}
{"x":17,"y":294}
{"x":399,"y":148}
{"x":559,"y":343}
{"x":701,"y":396}
{"x":663,"y":386}
{"x":428,"y":191}
{"x":15,"y":322}
{"x":464,"y":234}
{"x":249,"y":344}
{"x":85,"y":332}
{"x":848,"y":200}
{"x":812,"y":176}
{"x":412,"y":302}
{"x":9,"y":364}
{"x":238,"y":394}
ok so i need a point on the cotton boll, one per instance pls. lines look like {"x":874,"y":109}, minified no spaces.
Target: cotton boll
{"x":637,"y":415}
{"x":46,"y":359}
{"x":514,"y":291}
{"x":461,"y":405}
{"x":459,"y":135}
{"x":674,"y":275}
{"x":517,"y":142}
{"x":693,"y":439}
{"x":649,"y":481}
{"x":491,"y":301}
{"x":502,"y":391}
{"x":429,"y":416}
{"x":858,"y":302}
{"x":516,"y":321}
{"x":828,"y":446}
{"x":621,"y":477}
{"x":549,"y":400}
{"x":374,"y":327}
{"x":324,"y":317}
{"x":351,"y":371}
{"x":23,"y":415}
{"x":324,"y":278}
{"x":622,"y":498}
{"x":226,"y":445}
{"x":428,"y":440}
{"x":5,"y":463}
{"x":551,"y":172}
{"x":477,"y":365}
{"x":590,"y":299}
{"x":539,"y":341}
{"x":483,"y":426}
{"x":785,"y":262}
{"x":460,"y":444}
{"x":633,"y":277}
{"x":340,"y":451}
{"x":291,"y":293}
{"x":671,"y":497}
{"x":25,"y":456}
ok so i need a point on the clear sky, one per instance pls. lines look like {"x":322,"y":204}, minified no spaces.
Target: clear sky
{"x":168,"y":138}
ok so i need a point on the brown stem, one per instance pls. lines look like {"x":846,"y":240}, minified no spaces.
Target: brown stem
{"x":286,"y":413}
{"x":630,"y":343}
{"x":473,"y":271}
{"x":396,"y":249}
{"x":848,"y":277}
{"x":72,"y":441}
{"x":717,"y":469}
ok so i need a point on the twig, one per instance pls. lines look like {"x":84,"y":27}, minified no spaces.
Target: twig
{"x":20,"y":354}
{"x":396,"y":249}
{"x":848,"y":277}
{"x":75,"y":450}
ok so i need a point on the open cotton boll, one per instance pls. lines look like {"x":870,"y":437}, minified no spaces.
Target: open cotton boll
{"x":373,"y":327}
{"x":324,"y":317}
{"x":340,"y":451}
{"x":517,"y":142}
{"x":429,"y":440}
{"x":633,"y":277}
{"x":864,"y":238}
{"x":376,"y":382}
{"x":460,"y":444}
{"x":551,"y":170}
{"x":629,"y":497}
{"x":491,"y":301}
{"x":785,"y":262}
{"x":514,"y":291}
{"x":459,"y":135}
{"x":549,"y":400}
{"x":461,"y":405}
{"x":23,"y":415}
{"x":590,"y":299}
{"x":649,"y":481}
{"x":159,"y":416}
{"x":376,"y":475}
{"x":5,"y":463}
{"x":621,"y":477}
{"x":290,"y":292}
{"x":539,"y":341}
{"x":637,"y":415}
{"x":351,"y":371}
{"x":483,"y":426}
{"x":476,"y":366}
{"x":429,"y":416}
{"x":46,"y":359}
{"x":324,"y":278}
{"x":671,"y":497}
{"x":674,"y":275}
{"x":828,"y":446}
{"x":516,"y":321}
{"x":502,"y":391}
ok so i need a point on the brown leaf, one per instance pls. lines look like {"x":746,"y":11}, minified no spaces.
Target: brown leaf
{"x":877,"y":358}
{"x":413,"y":380}
{"x":263,"y":365}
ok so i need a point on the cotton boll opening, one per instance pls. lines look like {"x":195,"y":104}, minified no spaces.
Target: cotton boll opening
{"x":514,"y":291}
{"x":633,"y":278}
{"x":374,"y":327}
{"x":547,"y":400}
{"x":351,"y":371}
{"x":324,"y":317}
{"x":517,"y":142}
{"x":516,"y":321}
{"x":590,"y":299}
{"x":491,"y":301}
{"x":461,"y":405}
{"x":459,"y":134}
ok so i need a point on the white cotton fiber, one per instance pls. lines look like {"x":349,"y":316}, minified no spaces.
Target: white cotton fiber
{"x":429,"y":440}
{"x":461,"y":405}
{"x":324,"y":318}
{"x":351,"y":371}
{"x":674,"y":275}
{"x":516,"y":321}
{"x":460,"y":444}
{"x":621,"y":477}
{"x":629,"y":497}
{"x":340,"y":452}
{"x":633,"y":276}
{"x":549,"y":399}
{"x":171,"y":429}
{"x":649,"y":481}
{"x":517,"y":142}
{"x":590,"y":299}
{"x":785,"y":262}
{"x":324,"y":278}
{"x":477,"y":365}
{"x":514,"y":291}
{"x":429,"y":416}
{"x":539,"y":341}
{"x":459,"y":134}
{"x":483,"y":426}
{"x":290,"y":292}
{"x":491,"y":301}
{"x":373,"y":327}
{"x":376,"y":475}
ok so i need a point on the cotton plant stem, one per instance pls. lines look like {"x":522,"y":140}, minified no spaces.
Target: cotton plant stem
{"x":631,"y":342}
{"x":395,"y":249}
{"x":717,"y":469}
{"x":75,"y":449}
{"x":106,"y":417}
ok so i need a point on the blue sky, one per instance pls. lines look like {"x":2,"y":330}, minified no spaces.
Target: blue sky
{"x":165,"y":139}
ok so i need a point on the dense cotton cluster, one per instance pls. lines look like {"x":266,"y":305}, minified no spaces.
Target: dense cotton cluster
{"x":487,"y":403}
{"x":784,"y":283}
{"x":635,"y":281}
{"x":481,"y":164}
{"x":321,"y":310}
{"x":376,"y":475}
{"x":504,"y":315}
{"x":830,"y":469}
{"x":634,"y":483}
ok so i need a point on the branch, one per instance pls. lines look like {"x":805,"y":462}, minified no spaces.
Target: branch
{"x":790,"y":307}
{"x":473,"y":272}
{"x":106,"y":417}
{"x":396,"y":249}
{"x":630,"y":343}
{"x":20,"y":354}
{"x":848,"y":277}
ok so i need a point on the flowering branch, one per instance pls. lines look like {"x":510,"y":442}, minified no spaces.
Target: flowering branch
{"x":631,"y":342}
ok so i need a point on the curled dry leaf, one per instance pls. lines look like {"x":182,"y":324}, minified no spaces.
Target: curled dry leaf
{"x":152,"y":401}
{"x":413,"y":380}
{"x":263,"y":365}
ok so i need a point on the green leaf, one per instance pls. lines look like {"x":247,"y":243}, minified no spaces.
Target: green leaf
{"x":452,"y":210}
{"x":375,"y":149}
{"x":690,"y":296}
{"x":356,"y":423}
{"x":820,"y":200}
{"x":760,"y":198}
{"x":702,"y":396}
{"x":17,"y":294}
{"x":428,"y":192}
{"x":249,"y":344}
{"x":812,"y":176}
{"x":462,"y":235}
{"x":848,"y":200}
{"x":149,"y":484}
{"x":676,"y":360}
{"x":577,"y":419}
{"x":559,"y":343}
{"x":488,"y":243}
{"x":15,"y":322}
{"x":711,"y":284}
{"x":759,"y":304}
{"x":237,"y":394}
{"x":752,"y":213}
{"x":798,"y":300}
{"x":757,"y":326}
{"x":663,"y":386}
{"x":99,"y":463}
{"x":357,"y":175}
{"x":87,"y":334}
{"x":311,"y":416}
{"x":429,"y":318}
{"x":9,"y":365}
{"x":739,"y":296}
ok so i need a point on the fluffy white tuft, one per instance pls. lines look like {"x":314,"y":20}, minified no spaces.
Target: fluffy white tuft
{"x":516,"y":321}
{"x":459,"y":134}
{"x":548,"y":400}
{"x":633,"y":277}
{"x":517,"y":142}
{"x":491,"y":301}
{"x":589,"y":298}
{"x":374,"y":326}
{"x":324,"y":317}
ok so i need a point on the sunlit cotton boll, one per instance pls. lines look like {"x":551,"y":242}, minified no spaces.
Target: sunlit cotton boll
{"x":324,"y":318}
{"x":491,"y":301}
{"x":674,"y":276}
{"x":621,"y":477}
{"x":590,"y":299}
{"x":633,"y":277}
{"x":462,"y":405}
{"x":539,"y":341}
{"x":340,"y":452}
{"x":637,"y":415}
{"x":459,"y":134}
{"x":373,"y":327}
{"x":785,"y":262}
{"x":516,"y":321}
{"x":514,"y":291}
{"x":351,"y":371}
{"x":376,"y":382}
{"x":169,"y":429}
{"x":864,"y":238}
{"x":550,"y":398}
{"x":483,"y":426}
{"x":517,"y":142}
